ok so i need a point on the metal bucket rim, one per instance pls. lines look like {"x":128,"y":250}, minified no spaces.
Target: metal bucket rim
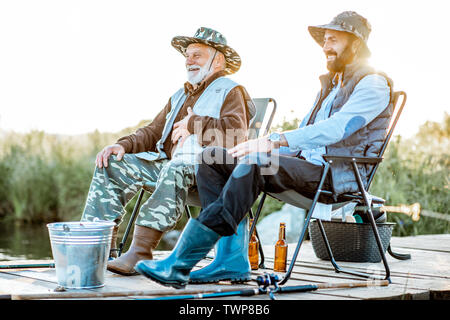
{"x":80,"y":225}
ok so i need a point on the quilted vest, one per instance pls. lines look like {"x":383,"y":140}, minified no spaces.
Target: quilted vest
{"x":365,"y":142}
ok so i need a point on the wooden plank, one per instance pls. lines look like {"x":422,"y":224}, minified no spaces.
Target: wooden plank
{"x":427,"y":273}
{"x":120,"y":283}
{"x":422,"y":262}
{"x":422,"y":265}
{"x":11,"y":283}
{"x":399,"y":287}
{"x":411,"y":281}
{"x":439,"y":242}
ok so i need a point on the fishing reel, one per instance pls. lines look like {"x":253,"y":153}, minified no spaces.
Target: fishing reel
{"x":265,"y":281}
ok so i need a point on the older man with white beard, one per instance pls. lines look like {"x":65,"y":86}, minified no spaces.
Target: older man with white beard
{"x":165,"y":150}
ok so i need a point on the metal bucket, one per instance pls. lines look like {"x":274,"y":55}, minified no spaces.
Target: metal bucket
{"x":81,"y":252}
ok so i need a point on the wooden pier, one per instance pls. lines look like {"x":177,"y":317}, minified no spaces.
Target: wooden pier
{"x":425,"y":277}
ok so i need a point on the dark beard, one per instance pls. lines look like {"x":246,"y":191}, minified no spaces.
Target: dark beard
{"x":341,"y":61}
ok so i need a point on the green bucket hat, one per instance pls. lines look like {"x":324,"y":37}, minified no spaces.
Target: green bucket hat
{"x":347,"y":21}
{"x":213,"y":39}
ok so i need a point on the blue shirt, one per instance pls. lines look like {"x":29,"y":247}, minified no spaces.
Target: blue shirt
{"x":369,"y":98}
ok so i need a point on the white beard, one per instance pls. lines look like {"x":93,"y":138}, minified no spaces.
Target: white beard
{"x":198,"y":76}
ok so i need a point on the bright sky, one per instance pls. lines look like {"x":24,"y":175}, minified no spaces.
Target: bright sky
{"x":75,"y":66}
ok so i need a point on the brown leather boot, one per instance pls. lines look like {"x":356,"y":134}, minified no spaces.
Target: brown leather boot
{"x":144,"y":241}
{"x":114,"y":249}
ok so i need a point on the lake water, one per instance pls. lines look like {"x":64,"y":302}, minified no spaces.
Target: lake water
{"x":33,"y":241}
{"x":24,"y":242}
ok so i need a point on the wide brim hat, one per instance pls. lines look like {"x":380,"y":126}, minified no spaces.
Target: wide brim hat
{"x":213,"y":39}
{"x":347,"y":21}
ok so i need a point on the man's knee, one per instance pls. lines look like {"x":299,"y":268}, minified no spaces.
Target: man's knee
{"x":114,"y":164}
{"x":241,"y":170}
{"x":267,"y":164}
{"x":126,"y":159}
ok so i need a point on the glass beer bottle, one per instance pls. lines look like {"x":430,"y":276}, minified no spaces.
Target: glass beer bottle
{"x":281,"y":250}
{"x":253,"y":249}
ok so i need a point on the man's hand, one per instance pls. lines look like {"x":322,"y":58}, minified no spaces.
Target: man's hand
{"x":103,"y":156}
{"x":184,"y":122}
{"x":256,"y":145}
{"x":178,"y":133}
{"x":180,"y":129}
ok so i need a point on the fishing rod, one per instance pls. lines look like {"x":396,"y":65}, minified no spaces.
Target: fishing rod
{"x":26,"y":266}
{"x":268,"y":284}
{"x":263,"y":282}
{"x":243,"y":293}
{"x":106,"y":294}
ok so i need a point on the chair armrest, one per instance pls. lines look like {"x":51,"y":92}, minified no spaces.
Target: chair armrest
{"x":329,"y":157}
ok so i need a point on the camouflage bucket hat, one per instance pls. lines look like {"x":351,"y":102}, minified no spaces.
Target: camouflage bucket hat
{"x":347,"y":21}
{"x":213,"y":39}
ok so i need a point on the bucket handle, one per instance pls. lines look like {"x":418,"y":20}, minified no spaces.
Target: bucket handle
{"x":67,"y":229}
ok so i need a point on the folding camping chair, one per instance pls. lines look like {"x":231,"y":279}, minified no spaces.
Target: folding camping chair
{"x":298,"y":200}
{"x":255,"y":126}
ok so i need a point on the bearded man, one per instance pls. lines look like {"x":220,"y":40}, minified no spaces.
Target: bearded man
{"x":350,"y":117}
{"x":164,"y":151}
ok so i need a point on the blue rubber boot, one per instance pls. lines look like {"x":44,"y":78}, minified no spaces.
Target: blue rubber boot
{"x":193,"y":245}
{"x":231,"y":259}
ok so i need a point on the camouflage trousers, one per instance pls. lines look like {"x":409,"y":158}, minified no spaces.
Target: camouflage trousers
{"x":113,"y":187}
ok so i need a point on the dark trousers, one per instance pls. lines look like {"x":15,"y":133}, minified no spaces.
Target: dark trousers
{"x":228,"y":187}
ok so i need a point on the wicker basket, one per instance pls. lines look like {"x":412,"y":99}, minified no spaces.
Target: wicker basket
{"x":351,"y":242}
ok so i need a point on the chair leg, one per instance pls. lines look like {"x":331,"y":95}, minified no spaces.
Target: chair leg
{"x":131,"y":222}
{"x":253,"y":227}
{"x":399,"y":256}
{"x":305,"y":224}
{"x":374,"y":229}
{"x":372,"y":222}
{"x":258,"y":212}
{"x":337,"y":268}
{"x":188,"y":211}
